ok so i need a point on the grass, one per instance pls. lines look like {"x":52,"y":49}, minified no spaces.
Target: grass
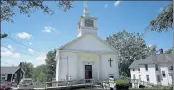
{"x":121,"y":82}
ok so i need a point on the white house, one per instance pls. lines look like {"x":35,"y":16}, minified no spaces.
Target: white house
{"x":87,"y":56}
{"x":155,"y":69}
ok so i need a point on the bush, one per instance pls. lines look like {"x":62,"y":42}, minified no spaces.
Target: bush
{"x":141,"y":86}
{"x":122,"y":84}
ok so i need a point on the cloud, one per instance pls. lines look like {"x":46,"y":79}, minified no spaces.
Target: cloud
{"x":24,"y":35}
{"x":30,"y":43}
{"x":116,"y":3}
{"x":31,"y":50}
{"x":10,"y":47}
{"x":48,"y":29}
{"x":29,"y":61}
{"x":41,"y":59}
{"x":106,"y":5}
{"x":9,"y":52}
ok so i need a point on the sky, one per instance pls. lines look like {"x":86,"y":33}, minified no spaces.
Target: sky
{"x":41,"y":32}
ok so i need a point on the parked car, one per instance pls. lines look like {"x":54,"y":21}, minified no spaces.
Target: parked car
{"x":25,"y":84}
{"x":4,"y":85}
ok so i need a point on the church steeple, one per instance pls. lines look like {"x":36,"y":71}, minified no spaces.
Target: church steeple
{"x":85,"y":11}
{"x":87,"y":24}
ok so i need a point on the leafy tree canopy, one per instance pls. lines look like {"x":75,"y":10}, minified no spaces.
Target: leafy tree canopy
{"x":40,"y":73}
{"x":164,"y":20}
{"x":169,"y":51}
{"x":131,"y":46}
{"x":9,"y":7}
{"x":50,"y":65}
{"x":28,"y":69}
{"x":3,"y":35}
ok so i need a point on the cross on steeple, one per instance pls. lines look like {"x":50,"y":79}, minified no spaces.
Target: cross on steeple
{"x":110,"y":60}
{"x":85,"y":12}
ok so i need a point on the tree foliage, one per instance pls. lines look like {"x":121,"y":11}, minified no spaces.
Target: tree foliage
{"x":40,"y":73}
{"x":169,"y":51}
{"x":8,"y":7}
{"x":131,"y":46}
{"x":164,"y":20}
{"x":3,"y":35}
{"x":50,"y":65}
{"x":28,"y":69}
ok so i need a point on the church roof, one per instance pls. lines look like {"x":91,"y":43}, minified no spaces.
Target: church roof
{"x":153,"y":59}
{"x":60,"y":48}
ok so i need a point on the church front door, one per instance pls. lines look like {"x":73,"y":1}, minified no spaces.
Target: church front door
{"x":88,"y":72}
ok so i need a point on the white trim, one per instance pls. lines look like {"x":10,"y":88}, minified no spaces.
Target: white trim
{"x":60,"y":48}
{"x":84,"y":51}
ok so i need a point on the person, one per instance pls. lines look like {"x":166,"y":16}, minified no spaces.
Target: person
{"x":69,"y":79}
{"x":111,"y":83}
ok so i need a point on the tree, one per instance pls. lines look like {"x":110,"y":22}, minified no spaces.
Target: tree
{"x":3,"y":35}
{"x":130,"y":46}
{"x":28,"y":69}
{"x":164,"y":20}
{"x":8,"y":7}
{"x":169,"y":51}
{"x":39,"y":73}
{"x":50,"y":65}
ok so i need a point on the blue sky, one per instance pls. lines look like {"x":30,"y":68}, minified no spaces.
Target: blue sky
{"x":45,"y":32}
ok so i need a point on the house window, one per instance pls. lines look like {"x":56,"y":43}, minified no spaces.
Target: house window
{"x":3,"y":76}
{"x":158,"y":78}
{"x":170,"y":67}
{"x":133,"y":69}
{"x":147,"y":76}
{"x":163,"y":73}
{"x":146,"y":66}
{"x":134,"y":76}
{"x":156,"y":67}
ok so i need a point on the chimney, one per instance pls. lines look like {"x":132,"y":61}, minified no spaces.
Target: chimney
{"x":21,"y":64}
{"x":161,"y":51}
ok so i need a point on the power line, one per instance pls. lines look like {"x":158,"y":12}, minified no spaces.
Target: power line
{"x":6,"y":63}
{"x":17,"y":51}
{"x":23,"y":44}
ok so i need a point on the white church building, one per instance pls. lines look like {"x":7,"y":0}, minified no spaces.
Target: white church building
{"x":87,"y":56}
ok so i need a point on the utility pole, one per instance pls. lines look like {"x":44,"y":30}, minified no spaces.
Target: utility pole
{"x":173,"y":52}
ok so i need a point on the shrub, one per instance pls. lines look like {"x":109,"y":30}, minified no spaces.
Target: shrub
{"x":141,"y":86}
{"x":122,"y":84}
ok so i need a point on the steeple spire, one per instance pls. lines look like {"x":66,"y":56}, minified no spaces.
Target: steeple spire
{"x":85,"y":11}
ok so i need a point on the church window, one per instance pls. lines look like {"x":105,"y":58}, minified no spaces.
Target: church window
{"x":89,"y":23}
{"x":156,"y":67}
{"x":147,"y":77}
{"x":146,"y":67}
{"x":163,"y":73}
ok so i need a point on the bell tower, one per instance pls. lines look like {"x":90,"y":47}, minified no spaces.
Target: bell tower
{"x":86,"y":24}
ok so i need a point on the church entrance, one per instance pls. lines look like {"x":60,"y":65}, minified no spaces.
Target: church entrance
{"x":88,"y":72}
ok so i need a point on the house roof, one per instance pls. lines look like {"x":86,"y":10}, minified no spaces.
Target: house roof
{"x":9,"y":70}
{"x":158,"y":59}
{"x":60,"y":48}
